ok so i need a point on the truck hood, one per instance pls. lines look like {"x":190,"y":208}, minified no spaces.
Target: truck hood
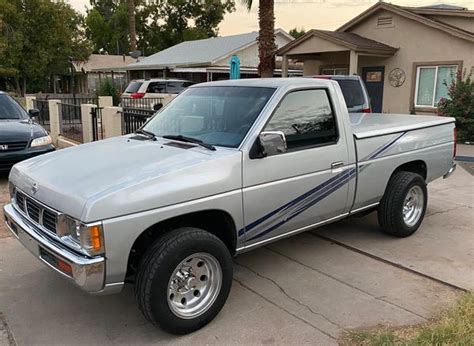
{"x":124,"y":175}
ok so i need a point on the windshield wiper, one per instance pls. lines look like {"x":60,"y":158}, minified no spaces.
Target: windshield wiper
{"x":190,"y":140}
{"x":149,"y":134}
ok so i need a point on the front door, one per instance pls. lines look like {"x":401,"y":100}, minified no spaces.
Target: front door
{"x":308,"y":183}
{"x":373,"y":78}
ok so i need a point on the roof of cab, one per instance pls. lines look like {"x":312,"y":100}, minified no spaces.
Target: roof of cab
{"x":269,"y":82}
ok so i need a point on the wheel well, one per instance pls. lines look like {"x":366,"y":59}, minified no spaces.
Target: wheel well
{"x":418,"y":167}
{"x":217,"y":222}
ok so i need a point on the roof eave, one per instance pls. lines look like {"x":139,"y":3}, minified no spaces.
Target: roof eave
{"x":163,"y":66}
{"x":295,"y":42}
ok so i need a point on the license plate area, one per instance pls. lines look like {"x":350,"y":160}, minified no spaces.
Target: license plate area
{"x":55,"y":262}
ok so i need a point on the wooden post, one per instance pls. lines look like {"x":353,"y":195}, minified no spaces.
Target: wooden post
{"x":353,"y":62}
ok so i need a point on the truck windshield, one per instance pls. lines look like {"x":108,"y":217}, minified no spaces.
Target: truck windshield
{"x":215,"y":115}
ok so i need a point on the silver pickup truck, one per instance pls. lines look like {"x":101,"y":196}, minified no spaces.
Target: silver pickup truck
{"x":226,"y":167}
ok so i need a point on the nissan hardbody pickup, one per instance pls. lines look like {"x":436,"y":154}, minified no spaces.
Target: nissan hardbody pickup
{"x":226,"y":167}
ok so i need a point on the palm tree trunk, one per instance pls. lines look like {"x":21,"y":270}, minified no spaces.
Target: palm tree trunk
{"x":266,"y":38}
{"x":131,"y":23}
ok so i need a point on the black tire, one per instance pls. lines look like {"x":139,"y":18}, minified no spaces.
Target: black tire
{"x":159,"y":263}
{"x":390,"y":211}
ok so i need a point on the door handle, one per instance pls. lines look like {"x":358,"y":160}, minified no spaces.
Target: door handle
{"x":337,"y":164}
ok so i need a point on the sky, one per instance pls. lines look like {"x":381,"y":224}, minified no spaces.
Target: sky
{"x":302,"y":14}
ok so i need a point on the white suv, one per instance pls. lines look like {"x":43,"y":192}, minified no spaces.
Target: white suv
{"x":146,"y":93}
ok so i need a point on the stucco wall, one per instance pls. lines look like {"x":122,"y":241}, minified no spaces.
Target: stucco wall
{"x":418,"y":43}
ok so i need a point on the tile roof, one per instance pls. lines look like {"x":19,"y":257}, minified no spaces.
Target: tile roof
{"x":346,"y":39}
{"x":359,"y":42}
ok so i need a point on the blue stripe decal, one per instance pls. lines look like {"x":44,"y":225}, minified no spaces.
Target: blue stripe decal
{"x":295,"y":207}
{"x":307,"y":206}
{"x":291,"y":203}
{"x":383,"y":148}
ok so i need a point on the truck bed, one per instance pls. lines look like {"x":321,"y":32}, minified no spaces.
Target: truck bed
{"x":369,"y":125}
{"x":384,"y":142}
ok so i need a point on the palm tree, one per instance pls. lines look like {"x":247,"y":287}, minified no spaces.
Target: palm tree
{"x":266,"y":36}
{"x":131,"y":23}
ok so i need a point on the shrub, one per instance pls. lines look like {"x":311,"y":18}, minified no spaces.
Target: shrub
{"x":107,"y":88}
{"x":460,"y":105}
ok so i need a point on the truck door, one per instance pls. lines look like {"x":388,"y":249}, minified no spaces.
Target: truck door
{"x":308,"y":183}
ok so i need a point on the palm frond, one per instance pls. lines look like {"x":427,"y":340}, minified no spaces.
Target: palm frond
{"x":247,"y":3}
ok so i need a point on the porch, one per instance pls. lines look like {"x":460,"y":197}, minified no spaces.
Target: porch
{"x":341,"y":53}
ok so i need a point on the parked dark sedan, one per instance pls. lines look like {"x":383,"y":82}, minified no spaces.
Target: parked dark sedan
{"x":20,"y":137}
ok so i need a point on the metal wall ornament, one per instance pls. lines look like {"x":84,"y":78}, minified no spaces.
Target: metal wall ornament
{"x":397,"y":77}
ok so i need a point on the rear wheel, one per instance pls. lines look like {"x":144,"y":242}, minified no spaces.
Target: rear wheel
{"x":184,"y":280}
{"x":403,"y":205}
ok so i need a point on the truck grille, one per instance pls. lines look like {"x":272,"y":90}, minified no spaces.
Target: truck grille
{"x":36,"y":212}
{"x":12,"y":146}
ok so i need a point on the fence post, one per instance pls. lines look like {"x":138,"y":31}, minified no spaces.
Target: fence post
{"x":54,"y":119}
{"x":112,"y":121}
{"x":86,"y":116}
{"x":105,"y":101}
{"x":29,"y":101}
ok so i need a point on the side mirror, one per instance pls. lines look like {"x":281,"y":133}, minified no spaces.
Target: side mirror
{"x":157,"y":106}
{"x":273,"y":142}
{"x":34,"y":113}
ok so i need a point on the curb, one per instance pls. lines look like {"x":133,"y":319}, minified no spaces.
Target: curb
{"x":464,"y":158}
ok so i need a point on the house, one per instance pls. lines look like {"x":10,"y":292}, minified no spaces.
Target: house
{"x":208,"y":59}
{"x":404,"y":54}
{"x":98,"y":67}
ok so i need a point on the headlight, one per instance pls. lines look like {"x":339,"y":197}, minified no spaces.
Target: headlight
{"x":88,"y":237}
{"x":41,"y":141}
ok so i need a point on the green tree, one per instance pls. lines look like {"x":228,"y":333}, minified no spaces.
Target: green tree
{"x":40,"y":38}
{"x":460,"y":105}
{"x":11,"y":39}
{"x":159,"y":24}
{"x":107,"y":88}
{"x":132,"y":24}
{"x":297,"y":33}
{"x":107,"y":26}
{"x":266,"y":36}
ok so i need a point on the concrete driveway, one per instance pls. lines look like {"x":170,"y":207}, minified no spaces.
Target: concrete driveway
{"x":306,"y":289}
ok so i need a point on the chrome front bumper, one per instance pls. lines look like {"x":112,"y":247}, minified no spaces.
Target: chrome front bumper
{"x":87,"y":272}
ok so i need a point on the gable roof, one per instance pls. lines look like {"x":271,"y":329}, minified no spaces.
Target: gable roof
{"x":346,"y":39}
{"x":200,"y":52}
{"x":411,"y":14}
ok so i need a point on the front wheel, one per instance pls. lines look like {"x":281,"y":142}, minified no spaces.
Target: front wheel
{"x":403,"y":205}
{"x":184,"y":280}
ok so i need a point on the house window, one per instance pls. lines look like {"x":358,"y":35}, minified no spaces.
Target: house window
{"x":431,"y":84}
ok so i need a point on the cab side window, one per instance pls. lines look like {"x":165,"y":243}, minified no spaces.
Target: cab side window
{"x":306,"y":118}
